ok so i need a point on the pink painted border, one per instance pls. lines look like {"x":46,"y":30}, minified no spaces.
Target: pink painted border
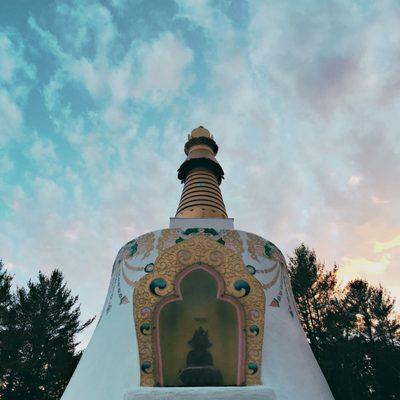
{"x":177,"y":296}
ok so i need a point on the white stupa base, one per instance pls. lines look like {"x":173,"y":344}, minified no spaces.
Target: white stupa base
{"x":202,"y":393}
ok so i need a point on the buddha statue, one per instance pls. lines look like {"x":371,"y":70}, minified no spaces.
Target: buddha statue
{"x":200,"y":370}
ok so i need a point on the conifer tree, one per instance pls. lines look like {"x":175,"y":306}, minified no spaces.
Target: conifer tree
{"x":42,"y":344}
{"x":5,"y":295}
{"x":314,"y":291}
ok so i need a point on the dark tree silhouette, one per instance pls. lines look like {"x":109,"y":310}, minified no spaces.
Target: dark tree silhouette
{"x":5,"y":305}
{"x":354,"y":331}
{"x":314,"y":289}
{"x":40,"y":340}
{"x":5,"y":295}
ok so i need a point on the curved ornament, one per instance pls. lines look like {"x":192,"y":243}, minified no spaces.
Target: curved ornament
{"x":132,"y":248}
{"x":156,"y":285}
{"x":268,"y":249}
{"x":146,"y":367}
{"x":251,"y":270}
{"x":145,"y":328}
{"x":242,"y":286}
{"x":254,"y":330}
{"x":145,"y":312}
{"x":253,"y":368}
{"x":149,"y":268}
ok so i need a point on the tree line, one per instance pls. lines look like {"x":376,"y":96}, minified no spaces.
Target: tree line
{"x":353,"y":331}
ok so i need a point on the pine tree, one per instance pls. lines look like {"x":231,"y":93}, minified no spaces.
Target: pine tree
{"x":42,"y":346}
{"x":377,"y":320}
{"x":314,"y":291}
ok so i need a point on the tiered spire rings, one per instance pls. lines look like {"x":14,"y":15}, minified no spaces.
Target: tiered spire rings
{"x":201,"y":175}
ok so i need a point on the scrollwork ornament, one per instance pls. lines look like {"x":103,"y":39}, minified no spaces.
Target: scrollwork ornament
{"x":184,"y":257}
{"x":216,"y":258}
{"x":167,"y":239}
{"x":146,"y":244}
{"x":233,"y":241}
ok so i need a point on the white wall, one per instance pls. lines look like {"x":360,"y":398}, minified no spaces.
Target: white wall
{"x":110,"y":368}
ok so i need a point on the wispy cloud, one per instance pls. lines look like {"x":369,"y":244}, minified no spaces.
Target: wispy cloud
{"x":390,"y":244}
{"x":10,"y":117}
{"x":16,"y":75}
{"x":363,"y":267}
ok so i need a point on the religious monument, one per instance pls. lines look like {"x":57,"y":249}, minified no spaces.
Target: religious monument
{"x":199,"y":310}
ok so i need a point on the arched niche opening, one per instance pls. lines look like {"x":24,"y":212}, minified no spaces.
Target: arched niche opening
{"x":200,"y":333}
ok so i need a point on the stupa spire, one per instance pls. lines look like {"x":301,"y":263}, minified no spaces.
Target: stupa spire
{"x":201,"y":175}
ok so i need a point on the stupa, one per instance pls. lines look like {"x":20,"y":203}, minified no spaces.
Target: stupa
{"x":199,"y":310}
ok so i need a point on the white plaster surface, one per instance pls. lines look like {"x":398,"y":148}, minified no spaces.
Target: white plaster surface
{"x":289,"y":366}
{"x":202,"y":393}
{"x":110,"y":363}
{"x":216,"y":223}
{"x":110,"y":367}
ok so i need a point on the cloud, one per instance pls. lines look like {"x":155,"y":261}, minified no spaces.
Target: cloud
{"x":16,"y":76}
{"x":42,"y":151}
{"x":362,"y":267}
{"x":163,"y":63}
{"x":390,"y":244}
{"x":355,"y":180}
{"x":6,"y":163}
{"x":328,"y":56}
{"x":12,"y":59}
{"x":154,"y":71}
{"x":7,"y":59}
{"x":48,"y":40}
{"x":200,"y":13}
{"x":10,"y":117}
{"x":383,"y":258}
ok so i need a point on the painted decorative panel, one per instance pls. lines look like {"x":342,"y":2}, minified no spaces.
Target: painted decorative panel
{"x":159,"y":283}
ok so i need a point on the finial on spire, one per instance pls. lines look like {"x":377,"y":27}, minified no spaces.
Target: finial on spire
{"x":201,"y":136}
{"x":200,"y":132}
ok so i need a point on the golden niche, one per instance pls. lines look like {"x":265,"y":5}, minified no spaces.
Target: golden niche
{"x":199,"y":333}
{"x":199,"y":318}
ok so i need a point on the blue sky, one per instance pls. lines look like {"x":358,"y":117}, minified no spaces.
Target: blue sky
{"x":97,"y":97}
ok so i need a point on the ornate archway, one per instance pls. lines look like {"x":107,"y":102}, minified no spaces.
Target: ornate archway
{"x":199,"y":309}
{"x":234,"y":285}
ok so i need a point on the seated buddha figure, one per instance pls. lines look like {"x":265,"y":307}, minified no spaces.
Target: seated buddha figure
{"x":200,"y":370}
